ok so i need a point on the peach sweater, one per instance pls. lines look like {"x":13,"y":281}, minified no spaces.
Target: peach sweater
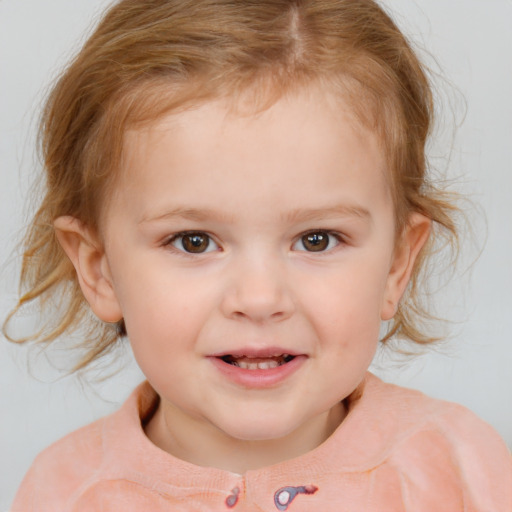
{"x":397,"y":450}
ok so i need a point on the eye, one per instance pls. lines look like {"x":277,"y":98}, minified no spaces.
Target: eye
{"x":194,"y":243}
{"x":316,"y":241}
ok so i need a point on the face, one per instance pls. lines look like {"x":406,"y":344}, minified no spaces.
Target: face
{"x":252,"y":259}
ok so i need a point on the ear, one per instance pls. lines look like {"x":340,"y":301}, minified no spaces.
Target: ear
{"x":88,"y":257}
{"x":415,"y":235}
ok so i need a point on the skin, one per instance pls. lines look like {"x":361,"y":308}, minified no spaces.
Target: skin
{"x":254,"y":186}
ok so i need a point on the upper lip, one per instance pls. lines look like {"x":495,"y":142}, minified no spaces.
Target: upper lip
{"x":257,"y":352}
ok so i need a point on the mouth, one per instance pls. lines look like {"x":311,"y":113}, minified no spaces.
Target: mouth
{"x":257,"y":363}
{"x":258,"y":368}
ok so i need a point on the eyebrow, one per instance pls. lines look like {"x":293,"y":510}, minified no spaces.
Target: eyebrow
{"x":296,"y":215}
{"x":330,"y":212}
{"x":194,"y":214}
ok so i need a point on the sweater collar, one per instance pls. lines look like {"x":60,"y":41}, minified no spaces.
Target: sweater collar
{"x":356,"y":445}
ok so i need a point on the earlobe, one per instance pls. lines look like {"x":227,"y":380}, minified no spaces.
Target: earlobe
{"x":91,"y":266}
{"x":413,"y":239}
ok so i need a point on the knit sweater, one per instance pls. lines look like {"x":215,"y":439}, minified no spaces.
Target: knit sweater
{"x":397,"y":450}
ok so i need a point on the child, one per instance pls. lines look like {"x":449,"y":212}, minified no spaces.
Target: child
{"x":239,"y":187}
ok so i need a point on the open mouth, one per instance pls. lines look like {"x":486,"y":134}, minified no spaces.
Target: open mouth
{"x":257,"y":363}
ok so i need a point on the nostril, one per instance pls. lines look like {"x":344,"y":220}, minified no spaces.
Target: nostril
{"x":257,"y":301}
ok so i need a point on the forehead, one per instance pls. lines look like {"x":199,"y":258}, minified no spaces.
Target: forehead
{"x":312,"y":115}
{"x":306,"y":150}
{"x":153,"y":108}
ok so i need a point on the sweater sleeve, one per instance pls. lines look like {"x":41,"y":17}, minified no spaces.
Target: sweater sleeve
{"x":455,"y":461}
{"x":484,"y":461}
{"x":59,"y":471}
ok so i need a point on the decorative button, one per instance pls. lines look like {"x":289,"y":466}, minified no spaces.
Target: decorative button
{"x":284,"y":496}
{"x":232,"y":499}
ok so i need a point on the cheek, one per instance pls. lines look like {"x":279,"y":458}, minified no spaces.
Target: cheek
{"x":163,"y":337}
{"x":351,"y":294}
{"x":165,"y":311}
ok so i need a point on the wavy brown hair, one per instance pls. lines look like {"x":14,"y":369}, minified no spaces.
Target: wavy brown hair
{"x":150,"y":57}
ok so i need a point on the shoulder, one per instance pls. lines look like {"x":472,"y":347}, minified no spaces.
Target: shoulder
{"x":409,"y":411}
{"x":436,"y":444}
{"x":66,"y":469}
{"x":59,"y":470}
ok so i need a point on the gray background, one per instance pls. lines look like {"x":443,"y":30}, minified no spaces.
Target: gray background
{"x":472,"y":43}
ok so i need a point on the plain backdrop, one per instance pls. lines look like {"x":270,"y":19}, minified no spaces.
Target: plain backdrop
{"x":472,"y":43}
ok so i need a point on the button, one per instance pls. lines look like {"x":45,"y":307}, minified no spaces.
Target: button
{"x":284,"y":496}
{"x":232,"y":499}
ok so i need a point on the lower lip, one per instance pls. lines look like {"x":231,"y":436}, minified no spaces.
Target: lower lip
{"x":258,"y":378}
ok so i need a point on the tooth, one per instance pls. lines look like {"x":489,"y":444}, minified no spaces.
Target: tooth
{"x":268,"y":365}
{"x":248,"y":366}
{"x":261,"y":365}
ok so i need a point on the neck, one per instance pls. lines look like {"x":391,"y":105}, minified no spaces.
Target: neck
{"x":203,"y":444}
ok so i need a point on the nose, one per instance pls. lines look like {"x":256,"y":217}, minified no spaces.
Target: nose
{"x":258,"y":291}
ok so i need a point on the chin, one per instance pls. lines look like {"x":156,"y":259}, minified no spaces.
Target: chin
{"x":253,"y":429}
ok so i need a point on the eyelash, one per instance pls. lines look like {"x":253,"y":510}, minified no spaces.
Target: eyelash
{"x":340,"y":239}
{"x":315,"y":234}
{"x":181,"y":236}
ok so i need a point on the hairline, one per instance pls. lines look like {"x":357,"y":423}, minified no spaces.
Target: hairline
{"x":239,"y":101}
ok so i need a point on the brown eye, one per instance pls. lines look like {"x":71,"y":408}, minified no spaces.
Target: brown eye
{"x":195,"y":243}
{"x":316,"y":241}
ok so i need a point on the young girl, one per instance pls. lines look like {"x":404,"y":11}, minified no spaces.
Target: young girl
{"x":240,"y":189}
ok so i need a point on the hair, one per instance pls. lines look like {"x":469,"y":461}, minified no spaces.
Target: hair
{"x":147,"y":58}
